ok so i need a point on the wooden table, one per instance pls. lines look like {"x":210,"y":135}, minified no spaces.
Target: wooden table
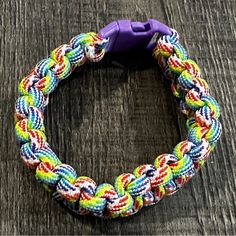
{"x":108,"y":118}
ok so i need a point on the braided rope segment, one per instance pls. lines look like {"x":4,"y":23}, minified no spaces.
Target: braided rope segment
{"x":148,"y":184}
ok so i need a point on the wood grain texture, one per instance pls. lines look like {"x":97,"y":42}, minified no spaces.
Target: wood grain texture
{"x":107,"y":118}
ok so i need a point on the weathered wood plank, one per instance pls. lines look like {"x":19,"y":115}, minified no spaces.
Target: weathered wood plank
{"x":211,"y":41}
{"x":107,"y":119}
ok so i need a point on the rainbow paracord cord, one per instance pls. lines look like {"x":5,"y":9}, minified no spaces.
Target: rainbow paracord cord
{"x":148,"y":183}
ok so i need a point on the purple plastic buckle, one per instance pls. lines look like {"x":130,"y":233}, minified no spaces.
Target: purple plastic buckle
{"x":125,"y":34}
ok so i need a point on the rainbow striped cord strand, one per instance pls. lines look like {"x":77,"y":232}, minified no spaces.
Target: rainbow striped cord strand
{"x":148,"y":183}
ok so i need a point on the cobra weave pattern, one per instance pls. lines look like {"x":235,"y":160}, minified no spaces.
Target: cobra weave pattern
{"x":148,"y":183}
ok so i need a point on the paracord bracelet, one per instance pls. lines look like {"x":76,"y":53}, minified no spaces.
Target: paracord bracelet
{"x":148,"y":184}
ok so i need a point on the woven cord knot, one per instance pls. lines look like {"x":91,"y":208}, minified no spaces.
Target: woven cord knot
{"x":148,"y":184}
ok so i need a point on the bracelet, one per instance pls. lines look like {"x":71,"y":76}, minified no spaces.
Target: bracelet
{"x":148,"y":183}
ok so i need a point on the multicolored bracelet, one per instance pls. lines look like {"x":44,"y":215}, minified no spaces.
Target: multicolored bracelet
{"x":148,"y":183}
